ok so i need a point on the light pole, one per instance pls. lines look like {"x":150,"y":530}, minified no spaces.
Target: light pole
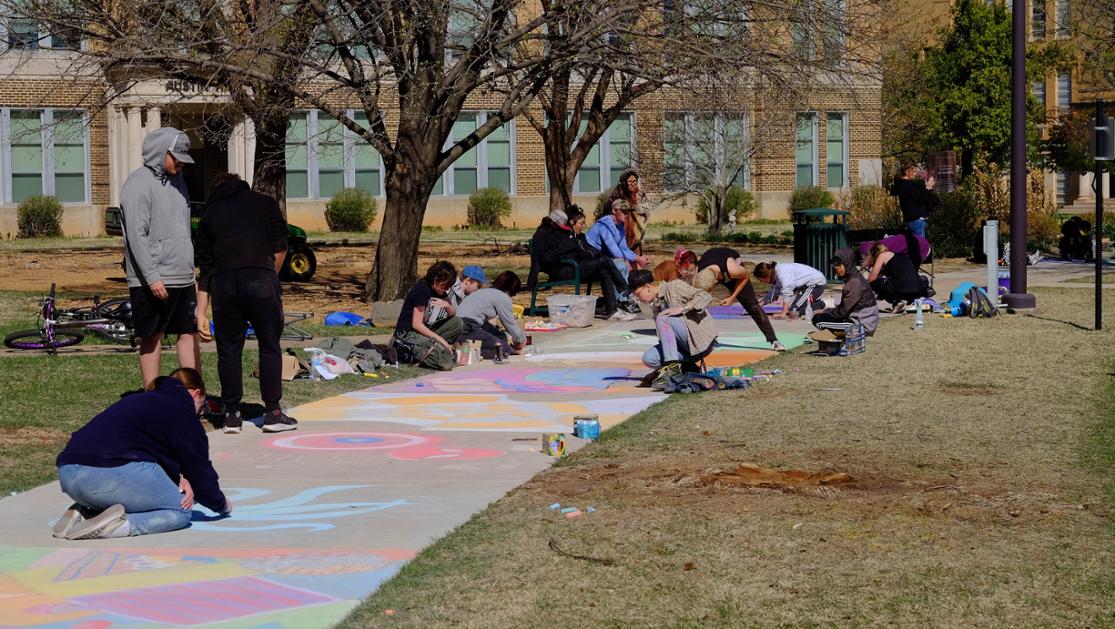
{"x":1018,"y":299}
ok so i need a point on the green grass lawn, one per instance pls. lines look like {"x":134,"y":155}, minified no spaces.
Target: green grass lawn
{"x":983,"y":453}
{"x":46,"y":398}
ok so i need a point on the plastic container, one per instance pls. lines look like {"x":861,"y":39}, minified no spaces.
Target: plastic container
{"x":574,"y":311}
{"x":919,"y":317}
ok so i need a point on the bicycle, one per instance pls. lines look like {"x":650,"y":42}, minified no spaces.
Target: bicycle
{"x":111,"y":320}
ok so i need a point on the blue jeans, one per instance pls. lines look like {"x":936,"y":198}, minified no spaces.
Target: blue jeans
{"x":624,"y":270}
{"x":917,"y":227}
{"x":673,"y":343}
{"x":151,"y":500}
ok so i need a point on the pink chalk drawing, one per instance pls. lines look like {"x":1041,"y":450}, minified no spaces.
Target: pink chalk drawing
{"x":422,"y":453}
{"x":402,"y":446}
{"x":518,"y":380}
{"x":197,"y":603}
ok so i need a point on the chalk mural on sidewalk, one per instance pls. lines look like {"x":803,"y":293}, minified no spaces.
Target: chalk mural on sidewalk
{"x":94,"y":588}
{"x":299,"y":511}
{"x":402,"y":446}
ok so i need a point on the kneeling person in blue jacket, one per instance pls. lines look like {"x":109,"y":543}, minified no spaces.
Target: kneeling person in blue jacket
{"x":138,"y":467}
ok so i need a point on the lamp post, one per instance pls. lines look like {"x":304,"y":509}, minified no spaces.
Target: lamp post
{"x":1018,"y":299}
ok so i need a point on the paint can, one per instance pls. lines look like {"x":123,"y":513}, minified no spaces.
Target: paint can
{"x":553,"y":443}
{"x":586,"y":427}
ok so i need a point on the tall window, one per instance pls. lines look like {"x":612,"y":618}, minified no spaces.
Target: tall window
{"x":805,"y":152}
{"x":832,"y":29}
{"x":836,"y":150}
{"x":1061,"y":181}
{"x":1039,"y":93}
{"x":43,"y":152}
{"x":323,"y":157}
{"x":1037,"y":19}
{"x":702,"y":150}
{"x":1064,"y":25}
{"x":801,"y":30}
{"x":28,"y":34}
{"x":1064,"y":91}
{"x":607,"y":160}
{"x":486,"y":165}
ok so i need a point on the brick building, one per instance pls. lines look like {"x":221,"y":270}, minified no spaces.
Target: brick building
{"x":75,"y":139}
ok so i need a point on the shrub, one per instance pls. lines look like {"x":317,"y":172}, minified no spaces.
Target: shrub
{"x":680,"y":237}
{"x":736,"y":200}
{"x":601,"y":201}
{"x":350,"y":210}
{"x":39,"y":216}
{"x":871,"y":207}
{"x":953,"y":227}
{"x":486,"y":206}
{"x":809,"y":198}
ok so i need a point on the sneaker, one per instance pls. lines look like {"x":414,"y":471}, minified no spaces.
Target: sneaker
{"x":99,"y":526}
{"x":620,"y":315}
{"x":278,"y":421}
{"x":899,"y":306}
{"x":69,"y":519}
{"x":631,"y":306}
{"x":233,"y":423}
{"x":819,"y":305}
{"x":777,"y":346}
{"x":213,"y":407}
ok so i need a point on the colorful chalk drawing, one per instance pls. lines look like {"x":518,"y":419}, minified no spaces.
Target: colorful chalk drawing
{"x":404,"y":447}
{"x":429,"y":411}
{"x":296,"y":512}
{"x":523,"y":379}
{"x":95,"y":588}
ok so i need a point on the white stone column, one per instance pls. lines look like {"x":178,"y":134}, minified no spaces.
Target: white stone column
{"x":236,"y":150}
{"x":114,"y":164}
{"x":249,"y":151}
{"x":135,"y":139}
{"x":154,"y":120}
{"x":1105,"y":183}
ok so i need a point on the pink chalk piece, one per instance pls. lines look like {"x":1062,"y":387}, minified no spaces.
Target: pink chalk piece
{"x":573,"y":514}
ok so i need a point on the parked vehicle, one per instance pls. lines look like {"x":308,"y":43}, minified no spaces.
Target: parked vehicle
{"x":300,"y":263}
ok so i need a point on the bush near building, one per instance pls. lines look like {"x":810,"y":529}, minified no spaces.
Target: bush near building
{"x":871,"y":207}
{"x":487,"y":206}
{"x":39,"y":216}
{"x":350,"y":210}
{"x":809,"y":198}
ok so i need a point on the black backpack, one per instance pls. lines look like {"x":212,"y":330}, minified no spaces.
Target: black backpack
{"x":980,"y":305}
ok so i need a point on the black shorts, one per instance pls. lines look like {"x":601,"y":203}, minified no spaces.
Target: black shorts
{"x":177,"y":314}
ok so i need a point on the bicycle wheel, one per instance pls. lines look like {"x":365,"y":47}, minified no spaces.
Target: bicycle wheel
{"x":35,"y":339}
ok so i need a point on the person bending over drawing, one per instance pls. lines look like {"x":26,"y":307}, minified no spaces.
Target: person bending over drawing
{"x":798,"y":285}
{"x":686,"y":332}
{"x":488,"y":303}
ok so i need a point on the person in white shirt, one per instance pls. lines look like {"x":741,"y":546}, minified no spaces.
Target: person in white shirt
{"x":798,"y":286}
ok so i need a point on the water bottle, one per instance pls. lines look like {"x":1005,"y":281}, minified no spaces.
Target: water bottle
{"x":919,"y":317}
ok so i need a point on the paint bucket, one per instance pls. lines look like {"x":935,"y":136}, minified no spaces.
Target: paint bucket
{"x":586,"y":427}
{"x":1004,"y":282}
{"x":553,"y":443}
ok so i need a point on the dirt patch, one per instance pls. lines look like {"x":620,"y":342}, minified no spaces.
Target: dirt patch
{"x":32,"y":437}
{"x":970,"y":388}
{"x":751,"y":475}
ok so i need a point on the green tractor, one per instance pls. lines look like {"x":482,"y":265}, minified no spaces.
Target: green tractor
{"x":299,"y":265}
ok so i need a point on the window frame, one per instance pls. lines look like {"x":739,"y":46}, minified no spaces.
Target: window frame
{"x":44,"y":41}
{"x":1066,"y":105}
{"x":46,"y":146}
{"x":689,"y":120}
{"x":446,"y":178}
{"x":605,"y":146}
{"x":815,"y":157}
{"x":845,"y":153}
{"x":348,"y":145}
{"x":1062,"y":14}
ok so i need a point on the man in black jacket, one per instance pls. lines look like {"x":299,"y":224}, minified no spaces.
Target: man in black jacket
{"x":241,"y":244}
{"x":915,"y":197}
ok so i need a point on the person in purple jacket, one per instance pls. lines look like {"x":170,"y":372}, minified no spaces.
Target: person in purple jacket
{"x":138,"y":467}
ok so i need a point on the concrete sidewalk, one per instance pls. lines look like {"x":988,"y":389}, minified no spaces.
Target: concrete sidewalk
{"x":325,"y":514}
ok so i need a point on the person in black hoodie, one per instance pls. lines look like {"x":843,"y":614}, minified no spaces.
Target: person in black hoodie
{"x":561,"y":236}
{"x":857,"y":299}
{"x":138,"y":467}
{"x":915,"y":197}
{"x":241,"y":244}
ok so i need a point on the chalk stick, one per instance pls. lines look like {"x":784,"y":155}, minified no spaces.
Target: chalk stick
{"x":572,"y":514}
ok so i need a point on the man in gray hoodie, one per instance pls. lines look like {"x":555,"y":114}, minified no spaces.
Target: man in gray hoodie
{"x":159,"y":255}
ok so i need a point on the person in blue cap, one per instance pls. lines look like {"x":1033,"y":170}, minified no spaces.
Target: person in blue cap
{"x":471,"y":278}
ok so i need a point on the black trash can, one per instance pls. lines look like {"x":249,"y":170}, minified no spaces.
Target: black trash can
{"x":818,"y":233}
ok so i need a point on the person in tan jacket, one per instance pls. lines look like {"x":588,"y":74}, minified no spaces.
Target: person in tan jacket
{"x":686,"y":332}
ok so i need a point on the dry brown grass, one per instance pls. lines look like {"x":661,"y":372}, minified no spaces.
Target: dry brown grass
{"x":972,"y":501}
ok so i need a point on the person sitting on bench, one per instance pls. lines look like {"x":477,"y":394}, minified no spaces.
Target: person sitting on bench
{"x":893,"y":277}
{"x":857,"y":300}
{"x":686,"y":332}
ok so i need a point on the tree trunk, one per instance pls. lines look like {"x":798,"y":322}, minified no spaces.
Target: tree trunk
{"x":395,"y":269}
{"x":557,"y":167}
{"x":967,"y":160}
{"x":715,"y":213}
{"x":270,"y":155}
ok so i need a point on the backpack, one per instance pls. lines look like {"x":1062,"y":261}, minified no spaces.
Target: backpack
{"x":980,"y":305}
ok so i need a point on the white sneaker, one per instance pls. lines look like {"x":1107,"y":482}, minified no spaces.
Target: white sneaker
{"x":777,"y":346}
{"x":620,"y":315}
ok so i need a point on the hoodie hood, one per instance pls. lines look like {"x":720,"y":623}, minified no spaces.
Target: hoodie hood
{"x":848,"y":257}
{"x":156,"y":145}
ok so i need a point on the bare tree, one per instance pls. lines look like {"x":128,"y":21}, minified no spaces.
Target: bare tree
{"x":414,"y":62}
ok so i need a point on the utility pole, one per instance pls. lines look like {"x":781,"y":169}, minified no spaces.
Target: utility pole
{"x":1018,"y":299}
